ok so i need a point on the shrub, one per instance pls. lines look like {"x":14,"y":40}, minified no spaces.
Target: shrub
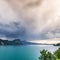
{"x":46,"y":55}
{"x":57,"y":53}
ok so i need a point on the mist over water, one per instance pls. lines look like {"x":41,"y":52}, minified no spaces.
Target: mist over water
{"x":30,"y":19}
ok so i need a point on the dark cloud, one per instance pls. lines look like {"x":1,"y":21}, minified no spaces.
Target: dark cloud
{"x":15,"y":32}
{"x":19,"y":20}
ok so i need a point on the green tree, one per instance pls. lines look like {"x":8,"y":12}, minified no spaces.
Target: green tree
{"x":43,"y":54}
{"x":57,"y":53}
{"x":46,"y":55}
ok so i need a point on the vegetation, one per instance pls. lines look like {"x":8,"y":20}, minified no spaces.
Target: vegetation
{"x":58,"y":44}
{"x":46,"y":55}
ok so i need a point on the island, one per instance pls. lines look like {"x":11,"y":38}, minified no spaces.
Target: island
{"x":9,"y":42}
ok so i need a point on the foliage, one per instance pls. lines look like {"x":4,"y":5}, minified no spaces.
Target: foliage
{"x":46,"y":55}
{"x":57,"y":53}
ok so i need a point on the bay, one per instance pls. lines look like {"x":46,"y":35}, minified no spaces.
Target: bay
{"x":28,"y":52}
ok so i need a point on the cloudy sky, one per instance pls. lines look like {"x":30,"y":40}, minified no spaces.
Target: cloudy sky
{"x":30,"y":19}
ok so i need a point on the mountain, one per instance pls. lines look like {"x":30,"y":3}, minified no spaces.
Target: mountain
{"x":30,"y":43}
{"x":8,"y":42}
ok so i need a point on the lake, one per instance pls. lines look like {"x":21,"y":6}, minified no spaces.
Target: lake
{"x":28,"y":52}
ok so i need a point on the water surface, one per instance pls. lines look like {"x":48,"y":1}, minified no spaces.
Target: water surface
{"x":29,"y":52}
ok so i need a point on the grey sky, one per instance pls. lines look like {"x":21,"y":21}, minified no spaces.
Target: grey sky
{"x":30,"y":19}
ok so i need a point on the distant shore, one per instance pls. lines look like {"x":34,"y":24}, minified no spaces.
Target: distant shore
{"x":47,"y":41}
{"x":13,"y":42}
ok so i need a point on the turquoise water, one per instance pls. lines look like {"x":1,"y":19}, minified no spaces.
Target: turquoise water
{"x":28,"y":52}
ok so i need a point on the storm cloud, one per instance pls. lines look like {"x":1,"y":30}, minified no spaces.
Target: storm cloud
{"x":30,"y":19}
